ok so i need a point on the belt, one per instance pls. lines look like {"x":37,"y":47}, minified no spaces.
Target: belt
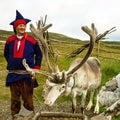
{"x":18,"y":71}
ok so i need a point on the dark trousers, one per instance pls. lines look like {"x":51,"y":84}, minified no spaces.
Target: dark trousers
{"x":20,"y":90}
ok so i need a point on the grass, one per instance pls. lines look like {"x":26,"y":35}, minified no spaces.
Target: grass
{"x":110,"y":68}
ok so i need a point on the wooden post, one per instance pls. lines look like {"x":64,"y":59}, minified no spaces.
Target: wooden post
{"x":98,"y":50}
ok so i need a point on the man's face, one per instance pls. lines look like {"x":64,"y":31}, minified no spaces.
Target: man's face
{"x":20,"y":29}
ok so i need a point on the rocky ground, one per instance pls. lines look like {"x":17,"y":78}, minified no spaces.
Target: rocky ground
{"x":58,"y":107}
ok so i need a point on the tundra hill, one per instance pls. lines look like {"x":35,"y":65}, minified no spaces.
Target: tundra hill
{"x":54,"y":36}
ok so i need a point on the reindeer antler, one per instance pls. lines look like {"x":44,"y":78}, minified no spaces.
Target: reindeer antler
{"x":39,"y":34}
{"x":93,"y":34}
{"x":98,"y":38}
{"x":33,"y":71}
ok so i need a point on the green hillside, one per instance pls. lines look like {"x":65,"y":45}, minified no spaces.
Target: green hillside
{"x":56,"y":36}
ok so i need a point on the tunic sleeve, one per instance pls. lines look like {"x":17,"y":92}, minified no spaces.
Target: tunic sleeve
{"x":38,"y":56}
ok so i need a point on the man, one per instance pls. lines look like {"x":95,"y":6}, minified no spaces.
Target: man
{"x":18,"y":47}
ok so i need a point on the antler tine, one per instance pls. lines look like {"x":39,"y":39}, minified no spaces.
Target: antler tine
{"x":45,"y":20}
{"x":93,"y":34}
{"x":28,"y":68}
{"x":46,"y":27}
{"x":94,"y":29}
{"x":101,"y":36}
{"x":38,"y":24}
{"x":56,"y":62}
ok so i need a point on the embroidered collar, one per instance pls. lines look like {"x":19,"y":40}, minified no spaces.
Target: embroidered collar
{"x":19,"y":37}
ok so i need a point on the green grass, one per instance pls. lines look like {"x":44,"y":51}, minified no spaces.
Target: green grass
{"x":110,"y":68}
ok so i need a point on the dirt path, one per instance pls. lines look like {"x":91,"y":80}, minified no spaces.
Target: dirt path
{"x":58,"y":107}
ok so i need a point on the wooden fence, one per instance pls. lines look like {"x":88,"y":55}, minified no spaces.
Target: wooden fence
{"x":103,"y":50}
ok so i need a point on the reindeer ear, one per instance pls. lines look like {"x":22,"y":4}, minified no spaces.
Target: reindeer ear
{"x":48,"y":83}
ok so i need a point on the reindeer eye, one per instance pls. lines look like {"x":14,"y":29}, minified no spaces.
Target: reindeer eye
{"x":63,"y":86}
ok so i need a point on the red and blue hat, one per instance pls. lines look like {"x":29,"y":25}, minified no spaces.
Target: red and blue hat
{"x":19,"y":20}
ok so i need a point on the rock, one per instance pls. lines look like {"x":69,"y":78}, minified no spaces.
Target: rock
{"x":118,"y":80}
{"x":101,"y":117}
{"x":111,"y":85}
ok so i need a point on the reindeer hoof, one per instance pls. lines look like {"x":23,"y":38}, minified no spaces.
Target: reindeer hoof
{"x":87,"y":108}
{"x":82,"y":110}
{"x":96,"y":112}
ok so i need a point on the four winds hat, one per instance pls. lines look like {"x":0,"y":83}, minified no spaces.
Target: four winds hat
{"x":19,"y":20}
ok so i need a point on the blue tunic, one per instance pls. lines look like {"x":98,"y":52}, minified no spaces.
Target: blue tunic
{"x":29,"y":50}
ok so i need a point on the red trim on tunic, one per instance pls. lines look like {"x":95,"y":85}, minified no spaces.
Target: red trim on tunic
{"x":31,"y":39}
{"x":37,"y":67}
{"x":19,"y":54}
{"x":12,"y":38}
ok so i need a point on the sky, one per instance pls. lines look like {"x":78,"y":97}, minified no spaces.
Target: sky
{"x":67,"y":16}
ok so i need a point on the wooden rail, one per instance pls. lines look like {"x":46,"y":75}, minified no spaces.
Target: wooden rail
{"x":76,"y":44}
{"x":59,"y":116}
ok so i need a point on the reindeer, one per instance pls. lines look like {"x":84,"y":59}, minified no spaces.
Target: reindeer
{"x":83,"y":74}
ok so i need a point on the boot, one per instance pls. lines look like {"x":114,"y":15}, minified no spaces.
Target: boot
{"x":26,"y":113}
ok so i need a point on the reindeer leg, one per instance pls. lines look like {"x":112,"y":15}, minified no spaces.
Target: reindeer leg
{"x":90,"y":104}
{"x":74,"y":101}
{"x":74,"y":105}
{"x":96,"y":109}
{"x":83,"y":101}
